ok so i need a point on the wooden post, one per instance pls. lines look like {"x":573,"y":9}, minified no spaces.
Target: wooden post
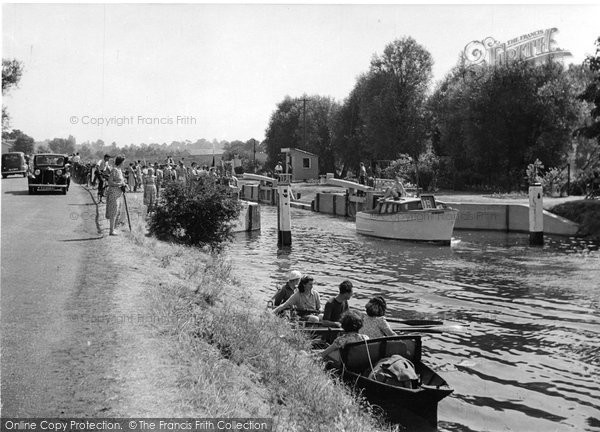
{"x":536,"y":215}
{"x":284,"y":223}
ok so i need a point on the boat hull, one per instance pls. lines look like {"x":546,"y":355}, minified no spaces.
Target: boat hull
{"x":400,"y":405}
{"x":433,"y":225}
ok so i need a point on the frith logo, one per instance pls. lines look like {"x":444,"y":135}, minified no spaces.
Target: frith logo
{"x":531,"y":46}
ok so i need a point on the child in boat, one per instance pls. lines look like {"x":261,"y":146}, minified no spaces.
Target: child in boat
{"x":374,"y":322}
{"x":351,"y":323}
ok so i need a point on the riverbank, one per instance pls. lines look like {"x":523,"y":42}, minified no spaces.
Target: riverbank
{"x":228,"y":357}
{"x":585,"y":212}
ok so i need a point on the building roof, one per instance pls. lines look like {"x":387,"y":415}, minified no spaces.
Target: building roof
{"x":204,"y":152}
{"x":302,"y":151}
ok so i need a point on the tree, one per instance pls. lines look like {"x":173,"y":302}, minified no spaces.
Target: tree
{"x":493,"y":121}
{"x":11,"y":75}
{"x":385,"y":114}
{"x":61,"y":145}
{"x":592,"y":95}
{"x":24,"y":143}
{"x":286,"y":129}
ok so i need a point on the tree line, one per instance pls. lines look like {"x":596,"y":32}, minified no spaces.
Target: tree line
{"x":480,"y":127}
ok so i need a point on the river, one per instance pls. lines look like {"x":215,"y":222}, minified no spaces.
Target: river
{"x":529,"y":359}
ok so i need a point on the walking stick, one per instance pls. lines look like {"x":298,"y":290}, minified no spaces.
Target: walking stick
{"x":127,"y":209}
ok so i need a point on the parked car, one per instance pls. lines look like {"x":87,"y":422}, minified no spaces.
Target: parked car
{"x":49,"y":171}
{"x":14,"y":163}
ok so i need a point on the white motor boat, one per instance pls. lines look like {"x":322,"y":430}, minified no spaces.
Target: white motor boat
{"x":416,"y":219}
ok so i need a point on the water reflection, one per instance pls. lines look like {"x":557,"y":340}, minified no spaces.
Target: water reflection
{"x":531,"y":357}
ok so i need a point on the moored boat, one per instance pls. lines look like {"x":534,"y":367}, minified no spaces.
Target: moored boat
{"x":358,"y":360}
{"x":416,"y":219}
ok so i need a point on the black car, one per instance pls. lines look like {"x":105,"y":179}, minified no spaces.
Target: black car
{"x":14,"y":163}
{"x":49,"y":171}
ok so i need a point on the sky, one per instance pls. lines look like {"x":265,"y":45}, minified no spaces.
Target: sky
{"x":143,"y":73}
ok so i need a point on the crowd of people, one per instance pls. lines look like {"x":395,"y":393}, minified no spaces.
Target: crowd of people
{"x":112,"y":180}
{"x":298,"y":296}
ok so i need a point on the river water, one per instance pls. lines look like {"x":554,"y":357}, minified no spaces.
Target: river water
{"x":529,"y":359}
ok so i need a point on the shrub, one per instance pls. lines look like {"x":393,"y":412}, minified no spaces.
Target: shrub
{"x":198,"y":213}
{"x":553,"y":177}
{"x":402,"y":167}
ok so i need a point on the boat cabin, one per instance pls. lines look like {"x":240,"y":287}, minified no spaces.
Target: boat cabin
{"x":425,"y":202}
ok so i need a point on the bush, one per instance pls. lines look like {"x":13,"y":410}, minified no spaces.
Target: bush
{"x":198,"y":214}
{"x":402,"y":167}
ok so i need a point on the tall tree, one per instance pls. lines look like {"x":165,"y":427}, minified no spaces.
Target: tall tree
{"x":493,"y":121}
{"x":11,"y":75}
{"x":592,"y":95}
{"x":385,"y":115}
{"x":62,"y":145}
{"x":24,"y":143}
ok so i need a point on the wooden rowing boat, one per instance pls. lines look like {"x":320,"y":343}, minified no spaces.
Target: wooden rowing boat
{"x":398,"y":403}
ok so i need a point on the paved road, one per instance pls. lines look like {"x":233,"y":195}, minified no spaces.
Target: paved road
{"x":46,"y":240}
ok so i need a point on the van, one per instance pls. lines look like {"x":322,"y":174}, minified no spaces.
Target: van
{"x":14,"y":163}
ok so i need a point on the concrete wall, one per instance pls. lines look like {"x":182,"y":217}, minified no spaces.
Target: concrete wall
{"x":249,"y":218}
{"x":507,"y":217}
{"x":471,"y":216}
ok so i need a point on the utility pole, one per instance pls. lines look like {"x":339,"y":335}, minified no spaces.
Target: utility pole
{"x":304,"y":100}
{"x":254,"y":141}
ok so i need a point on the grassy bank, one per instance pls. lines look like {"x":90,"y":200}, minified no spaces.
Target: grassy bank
{"x":585,"y":212}
{"x":234,"y":358}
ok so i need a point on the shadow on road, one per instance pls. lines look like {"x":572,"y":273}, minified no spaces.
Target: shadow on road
{"x":21,"y":192}
{"x":83,"y":239}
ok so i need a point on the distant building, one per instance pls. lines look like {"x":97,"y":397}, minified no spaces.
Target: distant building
{"x":305,"y":165}
{"x":7,"y":145}
{"x":203,"y":157}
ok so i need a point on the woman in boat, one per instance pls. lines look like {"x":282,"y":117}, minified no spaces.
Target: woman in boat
{"x":352,"y":323}
{"x":305,"y":300}
{"x":374,"y":322}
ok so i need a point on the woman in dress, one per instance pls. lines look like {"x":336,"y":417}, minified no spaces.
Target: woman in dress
{"x":149,"y":190}
{"x":116,"y":187}
{"x":305,"y":300}
{"x":374,"y":323}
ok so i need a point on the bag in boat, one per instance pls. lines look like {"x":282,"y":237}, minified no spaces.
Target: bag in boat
{"x":395,"y":370}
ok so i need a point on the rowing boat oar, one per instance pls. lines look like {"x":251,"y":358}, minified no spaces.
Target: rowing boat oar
{"x":430,"y":329}
{"x":414,"y":322}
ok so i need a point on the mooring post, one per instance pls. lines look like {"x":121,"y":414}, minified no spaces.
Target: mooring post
{"x":536,"y":215}
{"x":284,"y":222}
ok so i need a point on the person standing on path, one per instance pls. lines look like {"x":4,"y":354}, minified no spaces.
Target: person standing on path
{"x":362,"y":174}
{"x":116,"y":187}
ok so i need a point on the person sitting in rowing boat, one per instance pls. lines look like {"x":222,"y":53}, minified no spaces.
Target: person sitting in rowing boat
{"x":286,"y":291}
{"x":336,"y":306}
{"x":374,"y":322}
{"x":305,"y":300}
{"x":352,"y":322}
{"x":396,"y":191}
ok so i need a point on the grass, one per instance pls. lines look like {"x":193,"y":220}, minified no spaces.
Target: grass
{"x":585,"y":212}
{"x":236,"y":359}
